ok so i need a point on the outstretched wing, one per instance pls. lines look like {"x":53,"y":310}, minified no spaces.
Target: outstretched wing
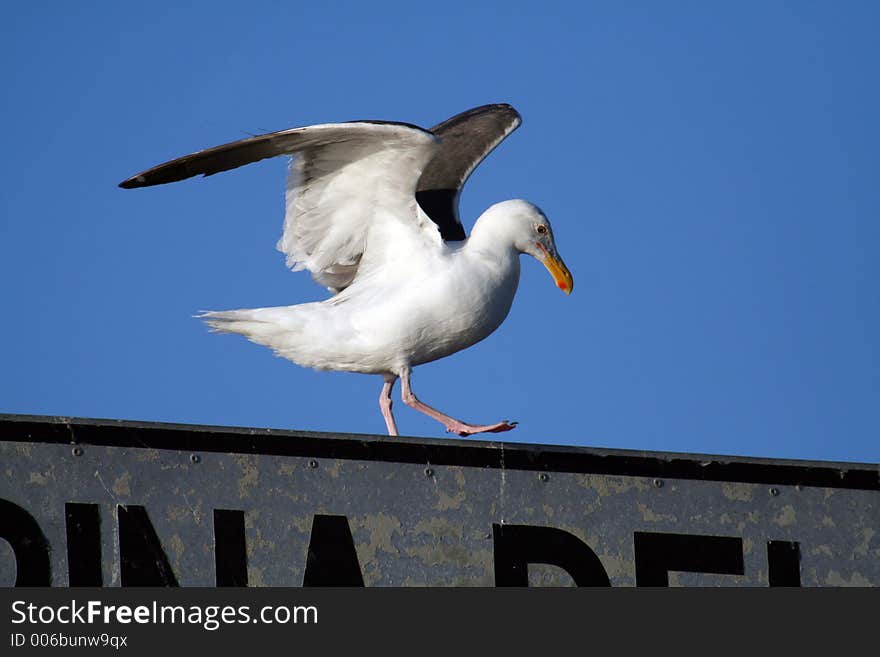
{"x":465,"y":141}
{"x":345,"y":180}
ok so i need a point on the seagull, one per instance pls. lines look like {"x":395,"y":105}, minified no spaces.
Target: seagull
{"x":372,"y":213}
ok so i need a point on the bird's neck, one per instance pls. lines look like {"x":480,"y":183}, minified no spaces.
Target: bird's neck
{"x":492,"y":252}
{"x":490,"y":237}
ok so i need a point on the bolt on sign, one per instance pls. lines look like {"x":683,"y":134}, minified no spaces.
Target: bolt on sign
{"x":114,"y":503}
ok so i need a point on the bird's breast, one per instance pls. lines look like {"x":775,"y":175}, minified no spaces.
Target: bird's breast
{"x":460,"y":307}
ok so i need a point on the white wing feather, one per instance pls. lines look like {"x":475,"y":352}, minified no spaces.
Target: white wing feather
{"x":350,"y":200}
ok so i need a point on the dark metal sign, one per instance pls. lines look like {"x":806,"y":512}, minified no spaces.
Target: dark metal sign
{"x":107,"y":503}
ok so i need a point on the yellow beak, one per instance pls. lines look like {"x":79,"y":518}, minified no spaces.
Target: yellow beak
{"x":558,"y":270}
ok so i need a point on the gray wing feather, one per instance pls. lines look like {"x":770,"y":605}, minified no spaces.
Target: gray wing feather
{"x":465,"y":141}
{"x":236,"y":154}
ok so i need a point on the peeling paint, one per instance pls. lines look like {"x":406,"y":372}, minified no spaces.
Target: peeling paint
{"x":287,"y":468}
{"x":334,"y":469}
{"x":446,"y":502}
{"x":822,"y":549}
{"x":649,"y":515}
{"x":177,"y":547}
{"x":249,"y":475}
{"x":606,"y":485}
{"x":255,"y":576}
{"x":438,"y":526}
{"x":786,"y":516}
{"x":862,"y":547}
{"x":38,"y":478}
{"x":855,"y":579}
{"x":122,"y":485}
{"x":381,"y":528}
{"x":738,"y":492}
{"x":146,"y":455}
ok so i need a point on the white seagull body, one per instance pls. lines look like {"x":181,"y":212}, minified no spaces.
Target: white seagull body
{"x":372,"y":213}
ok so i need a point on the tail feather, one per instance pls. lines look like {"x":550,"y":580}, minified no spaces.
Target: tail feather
{"x":230,"y":321}
{"x":301,"y":333}
{"x":272,"y":327}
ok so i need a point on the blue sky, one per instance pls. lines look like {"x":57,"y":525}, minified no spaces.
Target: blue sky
{"x":710,"y":170}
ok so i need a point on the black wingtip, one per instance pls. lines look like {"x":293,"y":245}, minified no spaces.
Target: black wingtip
{"x":506,"y":106}
{"x":133,"y":182}
{"x":496,"y":107}
{"x":512,"y":111}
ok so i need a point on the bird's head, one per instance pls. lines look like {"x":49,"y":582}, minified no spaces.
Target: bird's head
{"x":529,"y":230}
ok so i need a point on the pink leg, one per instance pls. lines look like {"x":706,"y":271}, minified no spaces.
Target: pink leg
{"x":452,"y":425}
{"x":385,"y":405}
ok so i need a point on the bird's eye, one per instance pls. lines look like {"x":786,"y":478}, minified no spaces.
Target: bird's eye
{"x":541,"y":229}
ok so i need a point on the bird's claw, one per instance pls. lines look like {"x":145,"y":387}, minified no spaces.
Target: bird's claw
{"x":507,"y":425}
{"x":468,"y":429}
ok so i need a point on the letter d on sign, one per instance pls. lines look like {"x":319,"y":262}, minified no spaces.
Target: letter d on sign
{"x":516,"y":546}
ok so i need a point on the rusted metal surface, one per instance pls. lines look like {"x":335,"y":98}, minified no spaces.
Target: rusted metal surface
{"x":419,"y":511}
